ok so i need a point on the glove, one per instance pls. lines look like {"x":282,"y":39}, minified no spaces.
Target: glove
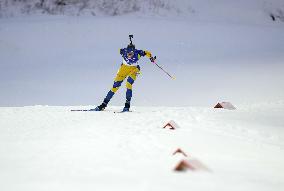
{"x":153,"y":59}
{"x":148,"y":53}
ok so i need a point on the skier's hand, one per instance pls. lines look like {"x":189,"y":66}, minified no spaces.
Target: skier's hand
{"x":153,"y":59}
{"x":148,"y":53}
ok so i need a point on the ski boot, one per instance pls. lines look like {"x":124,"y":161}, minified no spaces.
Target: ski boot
{"x":126,"y":107}
{"x":100,"y":107}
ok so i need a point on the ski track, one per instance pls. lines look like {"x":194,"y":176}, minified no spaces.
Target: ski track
{"x":45,"y":147}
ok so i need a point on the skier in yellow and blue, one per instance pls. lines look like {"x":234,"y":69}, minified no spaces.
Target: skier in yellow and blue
{"x":129,"y":69}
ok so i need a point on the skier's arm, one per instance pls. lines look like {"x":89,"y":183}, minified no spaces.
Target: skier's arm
{"x":144,"y":53}
{"x":147,"y":53}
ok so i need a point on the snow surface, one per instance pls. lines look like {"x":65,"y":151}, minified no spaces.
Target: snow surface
{"x":225,"y":10}
{"x":72,"y":61}
{"x":52,"y":148}
{"x":219,"y":51}
{"x":222,"y":51}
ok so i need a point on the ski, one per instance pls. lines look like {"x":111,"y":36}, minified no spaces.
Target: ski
{"x":82,"y":110}
{"x":90,"y":110}
{"x":122,"y":111}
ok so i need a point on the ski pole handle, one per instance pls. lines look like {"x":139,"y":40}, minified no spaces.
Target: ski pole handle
{"x":153,"y":59}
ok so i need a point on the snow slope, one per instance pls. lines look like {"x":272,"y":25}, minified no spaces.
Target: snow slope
{"x":222,"y":51}
{"x":225,"y":10}
{"x":72,"y":61}
{"x":218,"y":51}
{"x":51,"y":148}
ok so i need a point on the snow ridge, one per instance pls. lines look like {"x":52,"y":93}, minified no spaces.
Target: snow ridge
{"x":94,"y":7}
{"x":208,"y":9}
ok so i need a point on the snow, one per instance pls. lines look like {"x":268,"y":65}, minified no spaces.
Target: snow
{"x":217,"y":50}
{"x":72,"y":61}
{"x":51,"y":148}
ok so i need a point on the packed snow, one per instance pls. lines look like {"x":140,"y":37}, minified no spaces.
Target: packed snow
{"x":51,"y":148}
{"x":219,"y":51}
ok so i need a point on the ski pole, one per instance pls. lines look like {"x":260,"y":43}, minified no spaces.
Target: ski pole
{"x":153,"y":61}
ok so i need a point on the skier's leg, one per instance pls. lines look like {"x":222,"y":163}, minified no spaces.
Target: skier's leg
{"x":120,"y":76}
{"x":129,"y":83}
{"x":115,"y":87}
{"x":110,"y":94}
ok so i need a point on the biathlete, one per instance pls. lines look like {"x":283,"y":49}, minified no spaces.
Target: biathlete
{"x":129,"y":69}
